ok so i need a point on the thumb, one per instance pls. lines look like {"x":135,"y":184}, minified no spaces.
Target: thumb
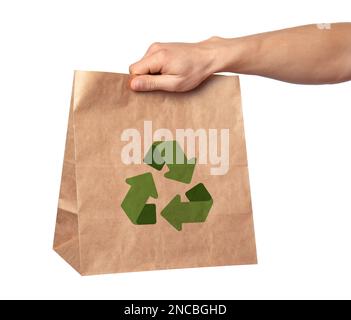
{"x":155,"y":82}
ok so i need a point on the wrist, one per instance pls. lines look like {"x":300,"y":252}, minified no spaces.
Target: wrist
{"x":212,"y":54}
{"x":229,"y":55}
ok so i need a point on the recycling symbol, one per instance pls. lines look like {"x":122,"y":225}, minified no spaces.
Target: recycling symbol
{"x":142,"y":187}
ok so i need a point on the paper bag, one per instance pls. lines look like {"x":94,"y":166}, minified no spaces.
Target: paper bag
{"x":154,"y":180}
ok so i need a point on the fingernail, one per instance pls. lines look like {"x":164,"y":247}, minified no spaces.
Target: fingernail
{"x":136,"y":84}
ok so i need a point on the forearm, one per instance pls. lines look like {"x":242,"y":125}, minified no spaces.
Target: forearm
{"x":308,"y":54}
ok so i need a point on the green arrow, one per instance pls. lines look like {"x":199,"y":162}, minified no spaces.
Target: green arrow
{"x":196,"y":210}
{"x":134,"y":203}
{"x":170,"y":153}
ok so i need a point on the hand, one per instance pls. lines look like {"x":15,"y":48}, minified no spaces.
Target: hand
{"x":175,"y":66}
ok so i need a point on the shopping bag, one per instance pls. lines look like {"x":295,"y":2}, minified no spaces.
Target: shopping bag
{"x":154,"y":180}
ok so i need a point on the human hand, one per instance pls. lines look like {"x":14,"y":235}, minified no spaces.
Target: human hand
{"x":175,"y":66}
{"x":280,"y":55}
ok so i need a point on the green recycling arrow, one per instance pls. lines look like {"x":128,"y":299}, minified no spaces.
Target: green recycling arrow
{"x":196,"y":210}
{"x":134,"y":203}
{"x":170,"y":153}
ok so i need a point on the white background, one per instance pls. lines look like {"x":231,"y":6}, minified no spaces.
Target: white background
{"x":298,"y":141}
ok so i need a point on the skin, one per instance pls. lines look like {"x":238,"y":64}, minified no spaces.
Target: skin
{"x":312,"y":54}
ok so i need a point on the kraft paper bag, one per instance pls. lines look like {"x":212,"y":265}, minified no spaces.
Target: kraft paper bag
{"x":154,"y":180}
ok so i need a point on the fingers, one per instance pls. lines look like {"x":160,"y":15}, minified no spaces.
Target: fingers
{"x":155,"y":82}
{"x":149,"y":71}
{"x":151,"y":63}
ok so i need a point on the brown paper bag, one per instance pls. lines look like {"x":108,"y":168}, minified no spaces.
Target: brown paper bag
{"x":125,"y":206}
